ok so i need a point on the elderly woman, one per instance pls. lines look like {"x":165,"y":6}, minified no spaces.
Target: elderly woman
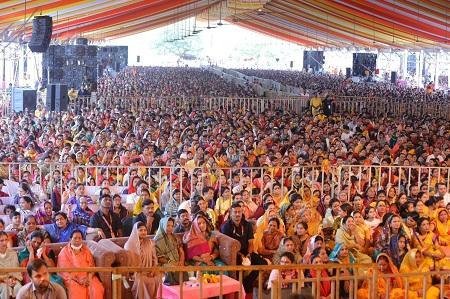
{"x":77,"y":255}
{"x":143,"y":254}
{"x":169,"y":249}
{"x":82,"y":214}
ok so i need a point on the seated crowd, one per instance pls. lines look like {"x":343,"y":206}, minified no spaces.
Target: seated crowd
{"x":275,"y":182}
{"x":169,"y":81}
{"x":340,"y":86}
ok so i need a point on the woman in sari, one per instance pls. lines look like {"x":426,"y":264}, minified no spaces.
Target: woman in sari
{"x":35,"y":249}
{"x":312,"y":217}
{"x":82,"y":214}
{"x":342,"y":255}
{"x":301,"y":237}
{"x":168,"y":249}
{"x":44,"y":215}
{"x":143,"y":254}
{"x":384,"y":284}
{"x":362,"y":234}
{"x":345,"y":235}
{"x":80,"y":285}
{"x":286,"y":245}
{"x":287,"y":258}
{"x":428,"y":244}
{"x":263,"y":222}
{"x":315,"y":242}
{"x":387,"y":240}
{"x":201,"y":247}
{"x":412,"y":263}
{"x":271,"y":239}
{"x":325,"y":285}
{"x":443,"y":226}
{"x":29,"y":226}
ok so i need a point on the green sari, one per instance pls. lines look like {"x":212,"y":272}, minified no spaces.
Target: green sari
{"x":167,"y":246}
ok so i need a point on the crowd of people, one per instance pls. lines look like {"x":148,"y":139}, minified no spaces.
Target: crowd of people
{"x":171,"y":82}
{"x":276,"y":182}
{"x":340,"y":86}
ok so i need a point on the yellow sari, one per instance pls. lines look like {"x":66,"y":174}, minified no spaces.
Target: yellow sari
{"x":394,"y":284}
{"x":443,"y":229}
{"x":409,"y":265}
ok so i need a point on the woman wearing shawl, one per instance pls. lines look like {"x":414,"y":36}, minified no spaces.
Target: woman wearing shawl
{"x":412,"y":263}
{"x":345,"y":235}
{"x":143,"y":254}
{"x":312,"y":217}
{"x":168,"y":249}
{"x":342,"y":255}
{"x":287,"y":258}
{"x":443,"y":226}
{"x":427,"y":242}
{"x":387,"y":241}
{"x":384,"y":284}
{"x":82,"y":213}
{"x":289,"y":217}
{"x":80,"y":285}
{"x":362,"y":231}
{"x":44,"y":215}
{"x":200,"y":246}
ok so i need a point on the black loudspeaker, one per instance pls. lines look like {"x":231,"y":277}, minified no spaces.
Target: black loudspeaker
{"x":348,"y":72}
{"x":42,"y":34}
{"x":81,"y":41}
{"x":57,"y":98}
{"x":23,"y":99}
{"x":138,"y":59}
{"x":292,"y":64}
{"x":394,"y":77}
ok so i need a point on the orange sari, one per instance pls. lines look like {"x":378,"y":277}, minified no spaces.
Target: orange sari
{"x":68,"y":258}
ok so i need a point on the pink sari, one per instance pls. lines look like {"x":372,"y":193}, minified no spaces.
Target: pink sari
{"x":143,"y":254}
{"x":195,"y":243}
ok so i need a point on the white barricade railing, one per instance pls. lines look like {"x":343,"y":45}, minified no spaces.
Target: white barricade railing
{"x":379,"y":107}
{"x":139,"y":103}
{"x":257,"y":180}
{"x":347,"y":104}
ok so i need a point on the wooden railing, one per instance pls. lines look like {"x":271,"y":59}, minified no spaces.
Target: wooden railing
{"x":357,"y":274}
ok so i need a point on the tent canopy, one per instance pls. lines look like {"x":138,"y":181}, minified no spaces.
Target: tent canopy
{"x":402,"y":24}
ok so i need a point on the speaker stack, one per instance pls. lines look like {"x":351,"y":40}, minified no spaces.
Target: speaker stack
{"x":23,"y":98}
{"x":394,"y":77}
{"x":42,"y":34}
{"x":57,"y":97}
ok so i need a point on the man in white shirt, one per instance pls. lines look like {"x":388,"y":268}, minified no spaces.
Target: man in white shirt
{"x":441,"y":190}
